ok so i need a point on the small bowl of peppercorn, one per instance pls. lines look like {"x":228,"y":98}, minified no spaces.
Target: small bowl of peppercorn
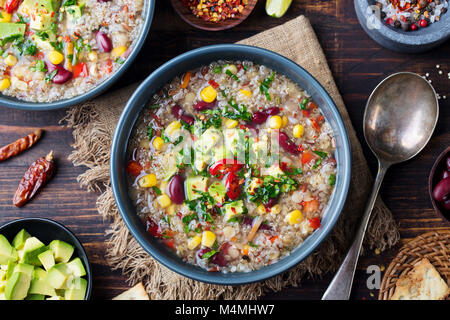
{"x":410,"y":26}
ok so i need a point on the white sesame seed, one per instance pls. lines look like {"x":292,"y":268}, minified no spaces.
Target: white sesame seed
{"x":438,"y":66}
{"x":427,"y":74}
{"x":440,"y":72}
{"x":445,"y":97}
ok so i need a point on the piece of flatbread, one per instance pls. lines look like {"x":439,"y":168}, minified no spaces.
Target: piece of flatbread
{"x":136,"y":293}
{"x":423,"y":282}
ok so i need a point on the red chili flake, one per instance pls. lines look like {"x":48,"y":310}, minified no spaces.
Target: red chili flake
{"x":215,"y":10}
{"x":213,"y":84}
{"x":314,"y":223}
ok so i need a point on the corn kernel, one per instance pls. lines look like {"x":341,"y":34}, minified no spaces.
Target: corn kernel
{"x":5,"y":84}
{"x":194,"y":242}
{"x":208,"y":238}
{"x":231,"y":67}
{"x":55,"y":57}
{"x":158,"y":143}
{"x":171,"y":210}
{"x":172,"y":127}
{"x":261,"y":209}
{"x":276,"y":209}
{"x":118,"y":51}
{"x":164,"y":201}
{"x":294,"y":217}
{"x":275,"y":122}
{"x":5,"y":16}
{"x":11,"y":60}
{"x":93,"y":56}
{"x":208,"y":94}
{"x":246,"y":92}
{"x":285,"y":121}
{"x":163,"y":186}
{"x":298,"y":130}
{"x":147,"y":181}
{"x":230,"y":123}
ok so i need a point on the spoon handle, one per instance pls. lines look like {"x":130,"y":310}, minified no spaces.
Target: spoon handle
{"x":341,"y":285}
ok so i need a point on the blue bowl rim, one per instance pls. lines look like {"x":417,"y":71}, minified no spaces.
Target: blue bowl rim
{"x":246,"y":277}
{"x":71,"y":234}
{"x":15,"y":103}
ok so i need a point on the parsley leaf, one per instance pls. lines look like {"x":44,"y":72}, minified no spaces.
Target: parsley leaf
{"x":265,"y":85}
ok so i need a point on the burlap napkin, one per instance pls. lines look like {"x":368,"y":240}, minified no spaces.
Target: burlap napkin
{"x":94,"y":124}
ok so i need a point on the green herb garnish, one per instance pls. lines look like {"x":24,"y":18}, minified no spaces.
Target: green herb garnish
{"x":265,"y":85}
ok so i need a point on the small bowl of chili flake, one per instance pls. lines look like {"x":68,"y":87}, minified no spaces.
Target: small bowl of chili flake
{"x":405,"y":25}
{"x":214,"y":15}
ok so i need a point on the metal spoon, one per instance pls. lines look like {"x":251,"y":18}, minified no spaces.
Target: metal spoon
{"x":400,"y":118}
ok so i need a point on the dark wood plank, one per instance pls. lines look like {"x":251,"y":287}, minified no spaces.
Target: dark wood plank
{"x":357,"y":63}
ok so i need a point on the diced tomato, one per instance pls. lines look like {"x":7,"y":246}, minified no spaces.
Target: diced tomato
{"x":307,"y":156}
{"x":232,"y":186}
{"x":153,"y":228}
{"x":305,"y":113}
{"x":272,"y":239}
{"x":134,"y":168}
{"x":311,"y":105}
{"x":315,"y":125}
{"x":311,"y":206}
{"x":213,"y":84}
{"x":107,"y":67}
{"x":80,"y":69}
{"x":11,"y":5}
{"x":314,"y":223}
{"x":169,"y":242}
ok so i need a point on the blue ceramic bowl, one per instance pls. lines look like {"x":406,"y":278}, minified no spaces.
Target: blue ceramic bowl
{"x":101,"y":87}
{"x":163,"y":75}
{"x":396,"y":39}
{"x":47,"y":230}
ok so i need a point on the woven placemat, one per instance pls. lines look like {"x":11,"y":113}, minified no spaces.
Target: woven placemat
{"x":434,"y":245}
{"x":93,"y":126}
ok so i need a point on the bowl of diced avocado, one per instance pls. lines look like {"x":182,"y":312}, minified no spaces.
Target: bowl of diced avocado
{"x":41,"y":259}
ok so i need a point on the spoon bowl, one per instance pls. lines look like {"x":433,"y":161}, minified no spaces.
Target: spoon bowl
{"x":400,"y":117}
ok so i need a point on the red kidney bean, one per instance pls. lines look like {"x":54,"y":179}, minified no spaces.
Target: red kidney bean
{"x":441,"y":191}
{"x":260,"y":117}
{"x":62,"y":75}
{"x":202,"y":105}
{"x":265,"y":226}
{"x":176,"y":189}
{"x":201,"y":252}
{"x":272,"y":111}
{"x":181,"y":115}
{"x":287,"y":144}
{"x":103,"y":41}
{"x":219,"y":259}
{"x":271,"y":203}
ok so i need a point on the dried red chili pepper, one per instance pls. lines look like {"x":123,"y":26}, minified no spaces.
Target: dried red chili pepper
{"x":38,"y":174}
{"x":19,"y":146}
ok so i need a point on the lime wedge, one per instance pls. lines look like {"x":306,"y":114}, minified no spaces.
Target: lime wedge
{"x":277,"y":8}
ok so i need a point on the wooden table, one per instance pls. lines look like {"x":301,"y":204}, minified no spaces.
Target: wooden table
{"x":357,"y":63}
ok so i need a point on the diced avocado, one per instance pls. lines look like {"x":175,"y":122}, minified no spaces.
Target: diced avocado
{"x":231,"y":137}
{"x":32,"y":248}
{"x":2,"y":275}
{"x":43,"y":45}
{"x":57,"y":276}
{"x":207,"y":140}
{"x":74,"y":12}
{"x":61,"y":250}
{"x":2,"y":296}
{"x":7,"y":252}
{"x":40,"y":286}
{"x":195,"y":185}
{"x":218,"y":191}
{"x":20,"y":238}
{"x":221,"y":152}
{"x":10,"y":269}
{"x":25,"y":268}
{"x":233,"y":209}
{"x":76,"y":267}
{"x":47,"y":259}
{"x":41,"y":22}
{"x":2,"y":285}
{"x":17,"y":286}
{"x":10,"y":29}
{"x":169,"y":166}
{"x":55,"y":298}
{"x":39,"y":273}
{"x":77,"y":290}
{"x":33,"y":296}
{"x":274,"y":171}
{"x":253,"y":185}
{"x":29,"y":7}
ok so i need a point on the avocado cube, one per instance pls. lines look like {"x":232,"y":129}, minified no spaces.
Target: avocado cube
{"x":10,"y":269}
{"x":40,"y":286}
{"x":2,"y":275}
{"x":39,"y":273}
{"x":20,"y":238}
{"x":195,"y":186}
{"x":17,"y":286}
{"x":47,"y":259}
{"x":57,"y":276}
{"x":25,"y":268}
{"x":76,"y":267}
{"x":32,"y":248}
{"x":74,"y":12}
{"x":61,"y":250}
{"x":233,"y":209}
{"x":33,"y":296}
{"x":2,"y":285}
{"x":77,"y":290}
{"x":55,"y":298}
{"x":41,"y":22}
{"x":7,"y":252}
{"x":2,"y":296}
{"x":218,"y":191}
{"x":11,"y":29}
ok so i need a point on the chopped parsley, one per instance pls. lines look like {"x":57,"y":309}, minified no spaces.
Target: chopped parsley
{"x":49,"y":77}
{"x":157,"y":190}
{"x":39,"y":66}
{"x":209,"y":254}
{"x":332,"y":179}
{"x":265,"y":85}
{"x":217,"y":69}
{"x":321,"y":154}
{"x":304,"y":103}
{"x":232,"y":75}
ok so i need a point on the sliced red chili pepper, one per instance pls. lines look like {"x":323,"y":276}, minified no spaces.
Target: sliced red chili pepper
{"x":80,"y":69}
{"x":134,"y":168}
{"x":307,"y":156}
{"x":213,"y":84}
{"x":11,"y":5}
{"x":225,"y":165}
{"x":232,"y":186}
{"x":153,"y":228}
{"x":314,"y":223}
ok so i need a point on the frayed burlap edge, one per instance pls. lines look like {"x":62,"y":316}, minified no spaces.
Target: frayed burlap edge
{"x":92,"y":142}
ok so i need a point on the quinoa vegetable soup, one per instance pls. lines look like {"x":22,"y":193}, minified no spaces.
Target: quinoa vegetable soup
{"x":231,"y":166}
{"x":57,"y":49}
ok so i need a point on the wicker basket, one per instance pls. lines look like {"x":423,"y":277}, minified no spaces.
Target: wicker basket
{"x":433,"y":245}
